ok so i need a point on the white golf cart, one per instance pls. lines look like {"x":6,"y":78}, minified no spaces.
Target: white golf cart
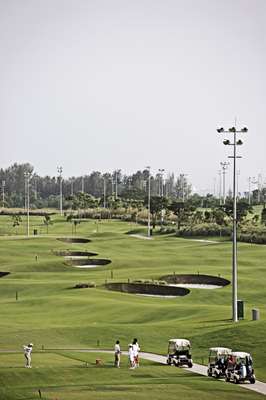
{"x":218,"y":361}
{"x":179,"y":353}
{"x":240,"y":368}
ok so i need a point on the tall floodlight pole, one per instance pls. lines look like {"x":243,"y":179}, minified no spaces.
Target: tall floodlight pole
{"x":161,"y":171}
{"x":82,"y":184}
{"x":60,"y":170}
{"x":224,"y":166}
{"x":27,"y":199}
{"x":234,"y":143}
{"x":237,"y":183}
{"x":115,"y":185}
{"x":3,"y":193}
{"x":220,"y":186}
{"x":104,"y":193}
{"x":72,"y":186}
{"x":149,"y":202}
{"x":249,"y":186}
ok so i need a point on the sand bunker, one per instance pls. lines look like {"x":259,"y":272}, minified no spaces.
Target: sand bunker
{"x":3,"y":274}
{"x":147,"y":289}
{"x":73,"y":240}
{"x":74,"y":253}
{"x":88,"y":262}
{"x":196,"y":281}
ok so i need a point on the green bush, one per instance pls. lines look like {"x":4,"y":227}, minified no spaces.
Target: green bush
{"x":205,"y":229}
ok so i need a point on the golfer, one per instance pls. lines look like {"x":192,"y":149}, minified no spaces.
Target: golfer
{"x":131,"y":358}
{"x":27,"y":354}
{"x":117,"y":354}
{"x":136,"y":350}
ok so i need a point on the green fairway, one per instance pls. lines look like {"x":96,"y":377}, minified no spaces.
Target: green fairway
{"x":75,"y":376}
{"x":38,"y":304}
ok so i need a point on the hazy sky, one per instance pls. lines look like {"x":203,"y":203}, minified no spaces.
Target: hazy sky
{"x":107,"y":84}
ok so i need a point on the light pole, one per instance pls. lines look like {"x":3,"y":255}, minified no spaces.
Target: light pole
{"x":104,"y":193}
{"x":60,"y":170}
{"x":116,"y":185}
{"x":234,"y":143}
{"x":3,"y":193}
{"x":161,"y":171}
{"x":82,"y":184}
{"x":220,"y":186}
{"x":224,"y":166}
{"x":249,"y":185}
{"x":149,"y":202}
{"x":27,"y":199}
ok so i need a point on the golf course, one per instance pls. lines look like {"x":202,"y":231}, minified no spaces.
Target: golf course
{"x":62,"y":304}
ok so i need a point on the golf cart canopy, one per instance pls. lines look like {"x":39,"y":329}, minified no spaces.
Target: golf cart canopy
{"x":220,"y":350}
{"x":179,"y":343}
{"x":240,"y":354}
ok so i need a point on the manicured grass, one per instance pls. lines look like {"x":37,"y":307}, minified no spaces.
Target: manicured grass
{"x":75,"y":376}
{"x":51,"y":314}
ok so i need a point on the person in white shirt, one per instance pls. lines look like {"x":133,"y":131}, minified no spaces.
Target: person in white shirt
{"x":117,"y":354}
{"x":27,"y":354}
{"x":136,"y":350}
{"x":131,"y":356}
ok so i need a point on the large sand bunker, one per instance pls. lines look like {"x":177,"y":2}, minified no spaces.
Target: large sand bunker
{"x":196,"y":281}
{"x":74,"y":253}
{"x":88,"y":262}
{"x":3,"y":274}
{"x":73,"y":240}
{"x":147,"y":289}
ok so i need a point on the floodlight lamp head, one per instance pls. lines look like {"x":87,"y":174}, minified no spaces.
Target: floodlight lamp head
{"x":239,"y":142}
{"x":220,"y":130}
{"x":244,"y":130}
{"x":233,"y":129}
{"x":226,"y":141}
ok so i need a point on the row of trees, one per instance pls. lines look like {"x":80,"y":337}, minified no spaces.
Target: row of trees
{"x":101,"y":189}
{"x":44,"y":191}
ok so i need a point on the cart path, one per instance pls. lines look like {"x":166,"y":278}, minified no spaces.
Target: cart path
{"x":141,"y":237}
{"x":259,"y":387}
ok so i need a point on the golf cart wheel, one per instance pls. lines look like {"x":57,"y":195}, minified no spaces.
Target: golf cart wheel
{"x":236,"y":381}
{"x":227,"y":379}
{"x":209,"y":372}
{"x":190,"y":365}
{"x":252,"y":380}
{"x":168,"y":361}
{"x":216,"y":375}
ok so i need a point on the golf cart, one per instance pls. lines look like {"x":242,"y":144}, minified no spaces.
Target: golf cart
{"x":179,"y":353}
{"x":218,"y":361}
{"x":240,"y":368}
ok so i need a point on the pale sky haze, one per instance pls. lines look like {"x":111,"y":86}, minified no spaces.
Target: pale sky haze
{"x":107,"y":84}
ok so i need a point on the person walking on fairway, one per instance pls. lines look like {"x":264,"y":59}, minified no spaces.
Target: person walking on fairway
{"x":136,"y":350}
{"x":117,"y":354}
{"x":27,"y":354}
{"x":131,"y":357}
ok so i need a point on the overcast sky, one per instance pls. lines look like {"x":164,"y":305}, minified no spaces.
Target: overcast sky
{"x":106,"y":84}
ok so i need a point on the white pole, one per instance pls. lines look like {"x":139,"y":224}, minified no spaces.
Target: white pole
{"x":60,"y":170}
{"x":3,"y":192}
{"x":104,"y":193}
{"x":234,"y":266}
{"x":149,"y":202}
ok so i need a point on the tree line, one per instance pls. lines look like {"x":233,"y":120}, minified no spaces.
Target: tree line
{"x":44,"y":191}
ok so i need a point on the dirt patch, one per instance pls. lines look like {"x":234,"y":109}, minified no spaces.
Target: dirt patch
{"x":3,"y":274}
{"x":199,"y":281}
{"x":88,"y":262}
{"x":75,"y":253}
{"x":84,"y":285}
{"x":73,"y":240}
{"x":147,"y":289}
